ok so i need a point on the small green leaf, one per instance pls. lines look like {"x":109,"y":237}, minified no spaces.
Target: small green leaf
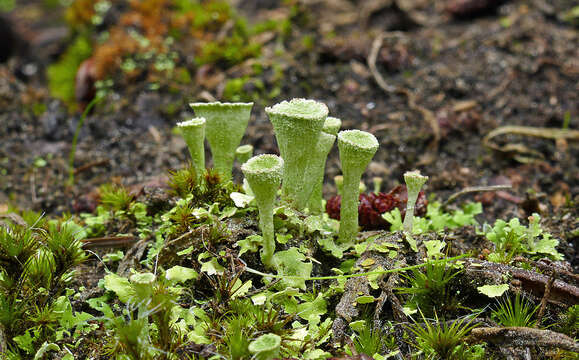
{"x":45,"y":347}
{"x":434,"y":248}
{"x":241,"y":200}
{"x":365,"y":299}
{"x":120,"y":286}
{"x":313,"y":310}
{"x":240,"y":288}
{"x":493,"y":290}
{"x":212,"y":267}
{"x":250,"y":243}
{"x":282,"y":238}
{"x":180,"y":274}
{"x":358,"y":325}
{"x":292,"y":262}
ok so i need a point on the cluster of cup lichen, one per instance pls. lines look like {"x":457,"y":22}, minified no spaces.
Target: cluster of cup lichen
{"x":305,"y":135}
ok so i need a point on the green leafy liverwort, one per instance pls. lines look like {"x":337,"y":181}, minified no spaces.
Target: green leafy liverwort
{"x":264,"y":174}
{"x":193,"y":131}
{"x":356,"y":150}
{"x":266,"y":347}
{"x":297,"y":124}
{"x":226,"y":124}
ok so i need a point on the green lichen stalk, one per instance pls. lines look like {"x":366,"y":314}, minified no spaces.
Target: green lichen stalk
{"x":316,"y":169}
{"x":356,"y":150}
{"x":226,"y":124}
{"x":264,"y":174}
{"x":193,"y":131}
{"x":297,"y":125}
{"x":244,"y":153}
{"x":414,"y":181}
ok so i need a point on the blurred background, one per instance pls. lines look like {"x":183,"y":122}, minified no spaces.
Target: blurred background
{"x":431,"y":79}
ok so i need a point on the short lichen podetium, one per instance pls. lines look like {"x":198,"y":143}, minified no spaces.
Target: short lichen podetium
{"x":317,"y":166}
{"x":356,"y":150}
{"x":193,"y":131}
{"x":244,"y":153}
{"x":226,"y":124}
{"x":414,"y":181}
{"x":297,"y":124}
{"x":264,"y":174}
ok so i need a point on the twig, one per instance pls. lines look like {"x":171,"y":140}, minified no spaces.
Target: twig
{"x":85,"y":167}
{"x":545,"y":298}
{"x":473,"y":189}
{"x":524,"y":337}
{"x":108,"y":241}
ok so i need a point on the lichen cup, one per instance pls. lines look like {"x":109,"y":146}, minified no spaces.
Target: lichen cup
{"x":297,"y":124}
{"x":356,"y":150}
{"x":317,"y":166}
{"x":193,"y":131}
{"x":264,"y":174}
{"x":226,"y":124}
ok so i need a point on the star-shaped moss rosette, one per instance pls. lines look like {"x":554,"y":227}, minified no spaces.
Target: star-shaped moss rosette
{"x":317,"y":166}
{"x":193,"y":131}
{"x":414,"y":182}
{"x":297,"y":124}
{"x":226,"y":124}
{"x":356,"y":150}
{"x":264,"y":174}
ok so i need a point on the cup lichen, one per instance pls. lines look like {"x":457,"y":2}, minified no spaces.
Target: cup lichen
{"x":226,"y":124}
{"x":356,"y":150}
{"x":193,"y":131}
{"x":244,"y":153}
{"x":264,"y":174}
{"x":414,"y":182}
{"x":297,"y":124}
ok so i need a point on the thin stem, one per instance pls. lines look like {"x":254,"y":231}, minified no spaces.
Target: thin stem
{"x":370,"y":273}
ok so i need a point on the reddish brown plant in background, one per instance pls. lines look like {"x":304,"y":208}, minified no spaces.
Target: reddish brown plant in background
{"x":372,"y":206}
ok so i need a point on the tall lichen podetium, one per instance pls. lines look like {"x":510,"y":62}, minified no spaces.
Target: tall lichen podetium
{"x":356,"y":150}
{"x":414,"y":182}
{"x":264,"y":174}
{"x":317,"y":166}
{"x":297,"y":124}
{"x":193,"y":131}
{"x":226,"y":124}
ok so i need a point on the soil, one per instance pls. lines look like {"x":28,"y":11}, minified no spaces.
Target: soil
{"x":451,"y":75}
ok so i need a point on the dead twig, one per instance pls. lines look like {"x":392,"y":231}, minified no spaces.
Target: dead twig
{"x":85,"y":167}
{"x":108,"y":241}
{"x":545,"y":298}
{"x":473,"y":189}
{"x":545,"y":133}
{"x":523,"y":337}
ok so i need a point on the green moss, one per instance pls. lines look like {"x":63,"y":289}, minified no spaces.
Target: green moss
{"x":61,"y":75}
